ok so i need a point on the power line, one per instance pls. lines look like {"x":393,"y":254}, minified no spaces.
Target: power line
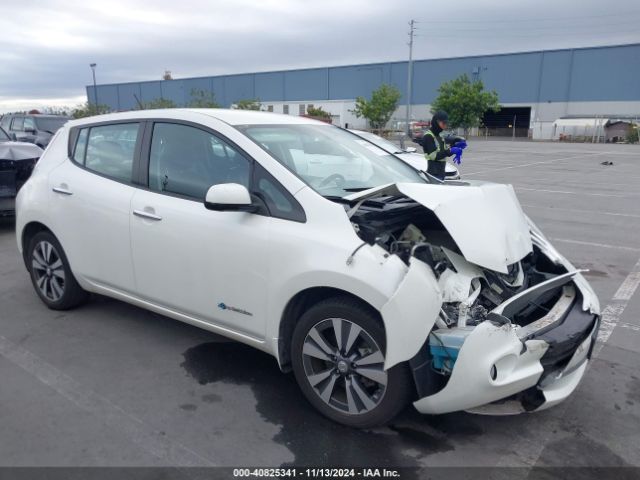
{"x":542,"y":27}
{"x":435,"y":21}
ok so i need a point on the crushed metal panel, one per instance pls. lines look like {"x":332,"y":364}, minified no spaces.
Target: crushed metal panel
{"x":485,"y":220}
{"x":553,"y":315}
{"x":512,"y":306}
{"x":471,"y":384}
{"x":410,"y":313}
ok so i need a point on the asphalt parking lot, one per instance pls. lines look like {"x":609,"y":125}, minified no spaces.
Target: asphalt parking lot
{"x":110,"y":384}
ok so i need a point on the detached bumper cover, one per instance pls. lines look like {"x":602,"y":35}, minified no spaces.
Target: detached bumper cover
{"x":499,"y":371}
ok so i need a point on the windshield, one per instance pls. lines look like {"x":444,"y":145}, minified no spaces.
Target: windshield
{"x":332,"y":161}
{"x":3,"y":136}
{"x":379,"y":141}
{"x":50,"y":124}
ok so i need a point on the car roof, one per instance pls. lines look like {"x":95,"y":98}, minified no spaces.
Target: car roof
{"x":39,"y":115}
{"x":232,"y":117}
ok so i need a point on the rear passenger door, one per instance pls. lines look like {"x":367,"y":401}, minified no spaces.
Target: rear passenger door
{"x":91,"y":198}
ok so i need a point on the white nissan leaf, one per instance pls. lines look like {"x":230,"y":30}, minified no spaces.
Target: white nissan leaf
{"x":375,"y":286}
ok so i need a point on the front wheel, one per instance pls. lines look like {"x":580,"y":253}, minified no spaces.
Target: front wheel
{"x":338,"y":350}
{"x":51,"y":275}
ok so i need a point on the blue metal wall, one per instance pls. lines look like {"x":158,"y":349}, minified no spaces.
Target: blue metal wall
{"x":586,"y":74}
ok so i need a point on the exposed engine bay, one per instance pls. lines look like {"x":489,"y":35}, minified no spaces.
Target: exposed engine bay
{"x":407,"y":229}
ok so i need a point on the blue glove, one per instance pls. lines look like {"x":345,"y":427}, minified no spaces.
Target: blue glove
{"x":457,"y":151}
{"x":461,"y":145}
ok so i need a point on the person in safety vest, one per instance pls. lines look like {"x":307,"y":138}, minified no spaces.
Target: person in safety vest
{"x":436,"y":150}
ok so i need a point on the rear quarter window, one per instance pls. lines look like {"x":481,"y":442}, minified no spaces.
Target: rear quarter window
{"x":108,"y":150}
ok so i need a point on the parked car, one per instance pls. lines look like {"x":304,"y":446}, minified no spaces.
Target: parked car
{"x":17,"y":160}
{"x":408,"y":155}
{"x":35,"y":128}
{"x":375,"y":284}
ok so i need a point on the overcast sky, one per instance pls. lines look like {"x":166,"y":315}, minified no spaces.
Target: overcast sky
{"x":46,"y":45}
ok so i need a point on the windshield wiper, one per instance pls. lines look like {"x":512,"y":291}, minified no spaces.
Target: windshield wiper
{"x":356,"y":189}
{"x":336,"y":198}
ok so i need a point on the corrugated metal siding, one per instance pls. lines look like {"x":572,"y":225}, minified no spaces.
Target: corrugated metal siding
{"x":588,"y":74}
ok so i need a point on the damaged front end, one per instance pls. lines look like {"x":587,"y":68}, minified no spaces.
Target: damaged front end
{"x":491,"y":318}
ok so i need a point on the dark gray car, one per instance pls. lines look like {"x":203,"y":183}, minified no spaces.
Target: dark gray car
{"x":32,"y":128}
{"x":17,"y":160}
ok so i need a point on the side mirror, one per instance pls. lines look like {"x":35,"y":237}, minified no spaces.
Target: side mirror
{"x":411,"y":149}
{"x":13,"y":137}
{"x":230,"y":197}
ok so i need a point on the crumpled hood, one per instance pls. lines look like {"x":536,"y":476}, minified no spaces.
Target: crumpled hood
{"x":19,"y":151}
{"x":485,"y":219}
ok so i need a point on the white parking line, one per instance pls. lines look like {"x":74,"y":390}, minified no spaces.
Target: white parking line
{"x":614,"y":310}
{"x":155,"y":443}
{"x":568,"y":192}
{"x":531,"y":164}
{"x":630,"y":326}
{"x":594,"y":244}
{"x":610,"y":319}
{"x":577,"y":210}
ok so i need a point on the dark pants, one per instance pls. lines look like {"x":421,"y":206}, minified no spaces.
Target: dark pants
{"x":436,"y":168}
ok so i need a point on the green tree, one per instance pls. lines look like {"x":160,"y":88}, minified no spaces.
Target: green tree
{"x":380,"y":107}
{"x":202,"y":99}
{"x":248,"y":104}
{"x":63,"y":111}
{"x":89,"y":110}
{"x":632,"y":135}
{"x":156,"y":103}
{"x":319,"y":113}
{"x":465,"y":102}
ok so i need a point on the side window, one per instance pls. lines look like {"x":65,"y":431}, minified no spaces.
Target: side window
{"x":29,"y":124}
{"x":81,"y":146}
{"x":279,"y":201}
{"x":187,"y":161}
{"x":5,"y":122}
{"x":110,"y":150}
{"x":17,"y":124}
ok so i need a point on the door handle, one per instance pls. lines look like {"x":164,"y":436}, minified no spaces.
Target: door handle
{"x":62,"y":190}
{"x":147,"y":215}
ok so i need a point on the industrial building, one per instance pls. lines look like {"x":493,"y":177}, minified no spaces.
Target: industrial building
{"x":535,"y":88}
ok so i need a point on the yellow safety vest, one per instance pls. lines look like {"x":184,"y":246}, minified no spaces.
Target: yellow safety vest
{"x":432,"y":156}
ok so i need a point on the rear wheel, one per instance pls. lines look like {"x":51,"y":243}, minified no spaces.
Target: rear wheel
{"x":51,"y":275}
{"x":338,"y":359}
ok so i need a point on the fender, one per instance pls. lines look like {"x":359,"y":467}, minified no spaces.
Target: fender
{"x":410,"y":313}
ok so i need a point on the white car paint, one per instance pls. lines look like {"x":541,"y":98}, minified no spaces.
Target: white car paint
{"x":194,"y":258}
{"x":416,"y":160}
{"x":489,"y":208}
{"x":417,"y":301}
{"x":19,"y":150}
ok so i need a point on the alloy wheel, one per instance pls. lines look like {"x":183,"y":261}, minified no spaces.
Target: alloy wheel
{"x":345,"y":366}
{"x":48,"y":270}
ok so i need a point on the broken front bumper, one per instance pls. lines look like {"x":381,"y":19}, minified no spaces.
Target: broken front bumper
{"x":507,"y":369}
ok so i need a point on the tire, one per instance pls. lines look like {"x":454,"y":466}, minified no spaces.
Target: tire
{"x":51,"y":275}
{"x":359,"y":394}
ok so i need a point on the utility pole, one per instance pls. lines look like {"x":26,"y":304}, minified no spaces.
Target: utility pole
{"x":95,"y":89}
{"x":412,"y":29}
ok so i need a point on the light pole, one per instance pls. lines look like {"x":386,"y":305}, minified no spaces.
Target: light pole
{"x":95,"y":89}
{"x":412,"y":29}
